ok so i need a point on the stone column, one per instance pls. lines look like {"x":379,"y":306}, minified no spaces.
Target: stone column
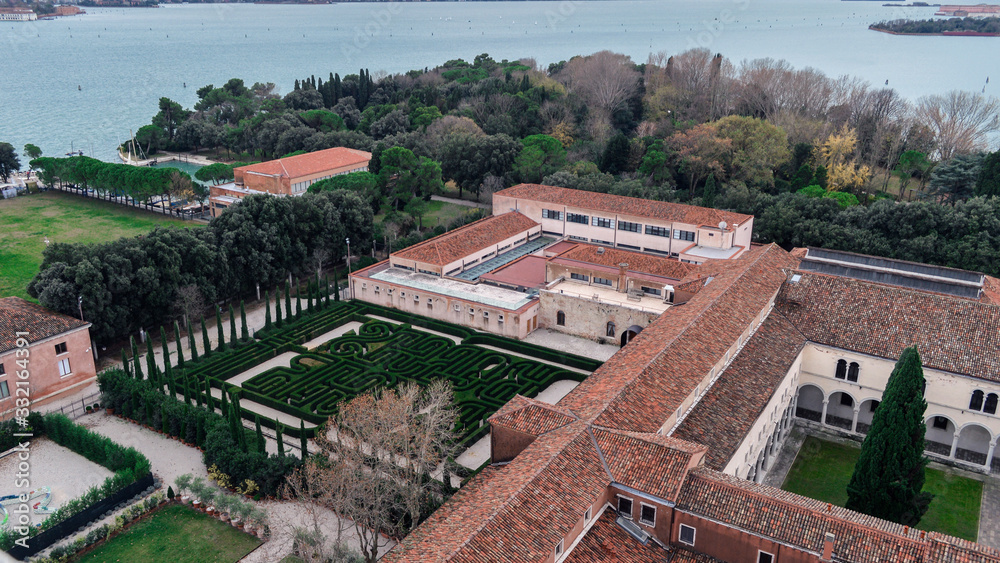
{"x":989,"y":457}
{"x":854,"y":421}
{"x":822,"y":418}
{"x":954,"y":445}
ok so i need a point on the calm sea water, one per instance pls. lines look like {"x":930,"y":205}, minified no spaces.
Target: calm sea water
{"x":83,"y":82}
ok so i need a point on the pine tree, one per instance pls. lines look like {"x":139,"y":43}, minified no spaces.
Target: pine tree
{"x":205,"y":342}
{"x":889,"y":475}
{"x":709,"y":192}
{"x":267,"y":309}
{"x":244,"y":330}
{"x":219,"y":330}
{"x":278,"y":430}
{"x":191,"y":344}
{"x":303,"y":441}
{"x":180,"y":348}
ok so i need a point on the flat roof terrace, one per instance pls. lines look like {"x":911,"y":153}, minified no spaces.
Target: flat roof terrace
{"x":527,"y":271}
{"x":477,"y":293}
{"x":603,"y":294}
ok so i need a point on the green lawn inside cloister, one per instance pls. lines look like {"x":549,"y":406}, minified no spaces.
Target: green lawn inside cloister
{"x":823,"y":468}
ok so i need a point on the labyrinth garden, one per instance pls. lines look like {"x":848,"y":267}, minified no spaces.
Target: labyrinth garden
{"x":378,"y":354}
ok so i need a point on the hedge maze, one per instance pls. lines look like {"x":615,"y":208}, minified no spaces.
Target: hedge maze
{"x":382,"y":354}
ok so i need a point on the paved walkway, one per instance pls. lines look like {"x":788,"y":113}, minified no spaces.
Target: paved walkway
{"x":989,"y":513}
{"x":775,"y":476}
{"x":464,"y":202}
{"x":572,"y":344}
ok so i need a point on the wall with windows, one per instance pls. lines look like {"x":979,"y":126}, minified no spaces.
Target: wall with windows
{"x":589,"y":319}
{"x":727,"y":543}
{"x":56,"y":366}
{"x":841,"y":388}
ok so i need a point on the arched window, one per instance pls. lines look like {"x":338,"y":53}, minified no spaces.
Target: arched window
{"x":976,"y":403}
{"x":561,"y":318}
{"x":990,"y":407}
{"x":610,"y":331}
{"x":852,"y":371}
{"x":841,"y":369}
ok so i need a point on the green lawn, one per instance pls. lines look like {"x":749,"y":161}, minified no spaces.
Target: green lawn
{"x":823,"y":469}
{"x":176,"y":534}
{"x":25,"y":222}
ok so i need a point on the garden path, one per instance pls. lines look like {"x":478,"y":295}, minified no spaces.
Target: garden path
{"x":989,"y":513}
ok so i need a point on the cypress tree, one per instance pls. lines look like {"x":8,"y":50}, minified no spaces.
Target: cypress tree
{"x":180,"y":348}
{"x":196,"y":392}
{"x":171,"y":387}
{"x":191,"y":344}
{"x":232,"y":326}
{"x":277,"y":307}
{"x":136,"y":363}
{"x":199,"y":432}
{"x":224,"y":406}
{"x":278,"y":429}
{"x":326,"y":291}
{"x":336,"y":287}
{"x":267,"y":309}
{"x":288,"y":301}
{"x":889,"y":475}
{"x":166,"y":349}
{"x":261,"y":444}
{"x":209,"y":401}
{"x":303,"y":441}
{"x":219,"y":330}
{"x":125,"y":365}
{"x":244,"y":331}
{"x":298,"y":300}
{"x":205,"y":342}
{"x":151,"y":362}
{"x":186,"y":391}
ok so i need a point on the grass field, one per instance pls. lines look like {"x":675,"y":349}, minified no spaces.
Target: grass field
{"x":176,"y":534}
{"x":26,"y":221}
{"x":823,"y":469}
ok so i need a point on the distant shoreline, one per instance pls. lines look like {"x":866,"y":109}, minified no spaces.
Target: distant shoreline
{"x":941,"y":33}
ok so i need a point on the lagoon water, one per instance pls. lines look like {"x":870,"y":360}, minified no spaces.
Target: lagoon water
{"x":83,"y":82}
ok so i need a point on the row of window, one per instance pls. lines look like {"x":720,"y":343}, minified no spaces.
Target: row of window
{"x":647,"y":513}
{"x":687,"y":535}
{"x":847,"y":372}
{"x":983,"y":403}
{"x":629,"y":226}
{"x":597,"y":280}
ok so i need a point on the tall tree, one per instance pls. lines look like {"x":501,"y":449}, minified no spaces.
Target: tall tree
{"x":180,"y":347}
{"x":889,"y":475}
{"x":205,"y":341}
{"x":220,"y":331}
{"x":9,"y":163}
{"x":267,"y":309}
{"x":232,"y":325}
{"x":244,"y":329}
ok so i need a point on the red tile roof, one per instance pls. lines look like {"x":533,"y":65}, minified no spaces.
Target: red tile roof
{"x":310,"y":163}
{"x":797,"y":520}
{"x":637,"y":262}
{"x":631,"y":206}
{"x":653,"y":464}
{"x":607,"y":542}
{"x":727,"y":412}
{"x":530,"y":416}
{"x":947,"y":549}
{"x":455,"y":245}
{"x":953,"y":334}
{"x":642,"y":385}
{"x":18,"y":315}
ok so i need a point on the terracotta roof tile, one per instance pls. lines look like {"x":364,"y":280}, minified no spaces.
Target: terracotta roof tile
{"x":653,"y":464}
{"x":637,"y":262}
{"x":455,"y":245}
{"x":18,"y":315}
{"x":607,"y":542}
{"x":799,"y":521}
{"x":727,"y":412}
{"x":530,"y":416}
{"x":309,"y":163}
{"x":953,"y":334}
{"x":947,"y":549}
{"x":632,"y":206}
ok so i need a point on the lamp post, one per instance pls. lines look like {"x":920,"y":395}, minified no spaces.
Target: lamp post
{"x":350,"y":290}
{"x":79,"y":304}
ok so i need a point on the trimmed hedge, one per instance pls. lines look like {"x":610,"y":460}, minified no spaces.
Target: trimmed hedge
{"x":128,"y":464}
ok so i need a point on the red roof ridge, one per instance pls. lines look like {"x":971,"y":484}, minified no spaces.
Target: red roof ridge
{"x":473,"y":237}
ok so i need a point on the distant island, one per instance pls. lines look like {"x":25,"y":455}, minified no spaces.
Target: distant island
{"x":959,"y":27}
{"x":913,"y":5}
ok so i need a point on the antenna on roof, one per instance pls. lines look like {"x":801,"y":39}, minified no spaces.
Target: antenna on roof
{"x":723,"y":225}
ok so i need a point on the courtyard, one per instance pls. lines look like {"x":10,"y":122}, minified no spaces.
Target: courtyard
{"x":823,"y":468}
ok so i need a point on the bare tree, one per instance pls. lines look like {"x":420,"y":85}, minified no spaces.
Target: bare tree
{"x":605,"y":80}
{"x":189,"y":302}
{"x":376,"y":458}
{"x":961,"y":121}
{"x":320,"y":255}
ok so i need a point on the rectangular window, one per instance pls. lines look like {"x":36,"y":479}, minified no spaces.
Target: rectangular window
{"x":657,"y":231}
{"x":500,"y":318}
{"x":652,"y":291}
{"x":4,"y":390}
{"x":647,"y":514}
{"x":579,"y":277}
{"x":587,"y":515}
{"x":64,"y":367}
{"x":765,"y":557}
{"x":61,"y":348}
{"x":3,"y":371}
{"x":683,"y":235}
{"x":486,"y":314}
{"x":574,"y":237}
{"x":629,"y":226}
{"x":551,"y":214}
{"x":559,"y":548}
{"x":686,"y":535}
{"x":602,"y":222}
{"x":625,"y":507}
{"x":602,"y":281}
{"x":628,"y":246}
{"x":472,"y":311}
{"x":576,"y":218}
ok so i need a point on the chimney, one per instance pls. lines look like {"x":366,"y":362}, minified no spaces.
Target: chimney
{"x":622,"y":285}
{"x":828,"y":546}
